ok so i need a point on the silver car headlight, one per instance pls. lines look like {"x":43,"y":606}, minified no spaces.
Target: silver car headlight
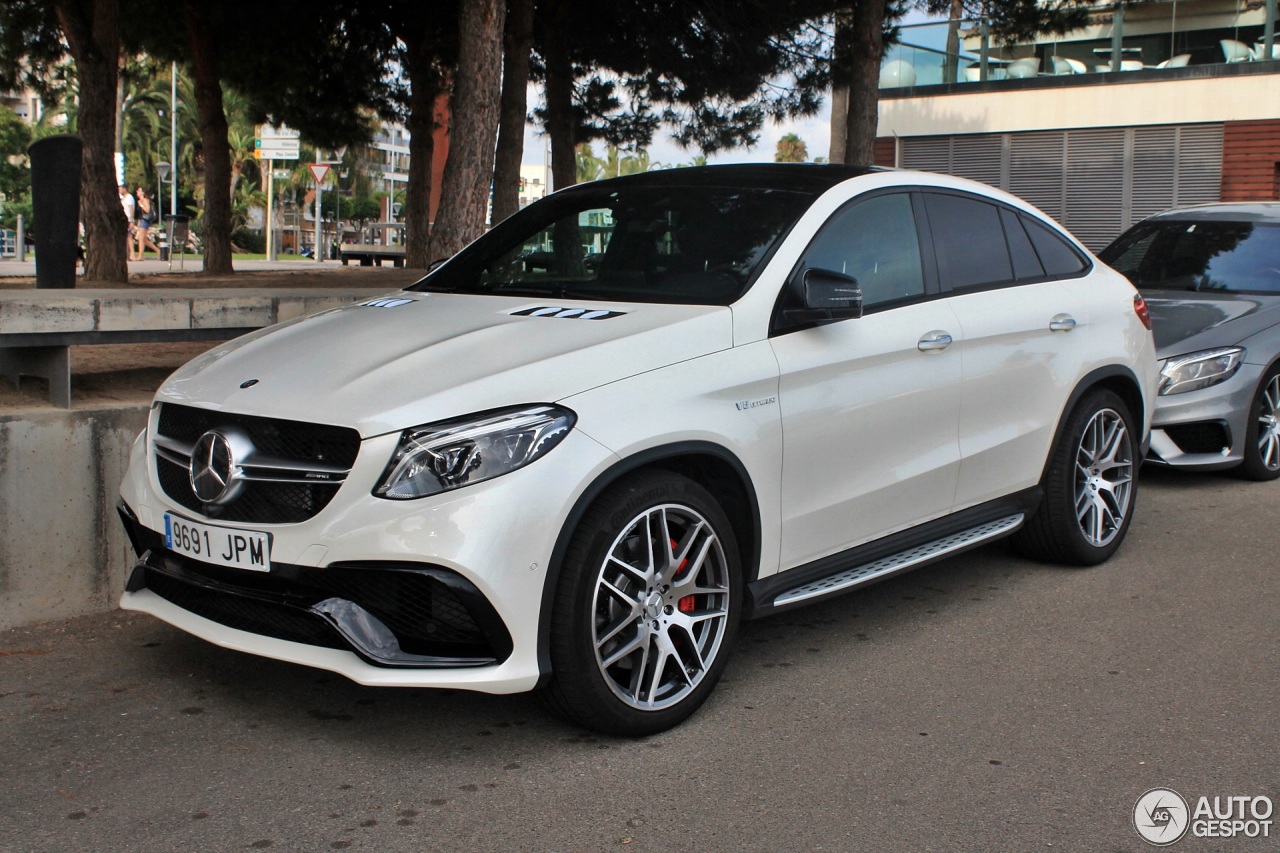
{"x":450,"y":454}
{"x":1198,"y":370}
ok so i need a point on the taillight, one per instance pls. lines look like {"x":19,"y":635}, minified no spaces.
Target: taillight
{"x":1140,"y":308}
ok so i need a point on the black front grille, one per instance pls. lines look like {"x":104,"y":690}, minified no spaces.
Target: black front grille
{"x":1203,"y":437}
{"x":431,"y":611}
{"x":246,"y":614}
{"x":259,"y":502}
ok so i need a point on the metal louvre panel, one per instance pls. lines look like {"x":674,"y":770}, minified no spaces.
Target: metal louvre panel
{"x":1035,"y":169}
{"x":1155,"y":151}
{"x":1095,"y":185}
{"x":1199,"y":164}
{"x":927,"y":153}
{"x":977,"y":157}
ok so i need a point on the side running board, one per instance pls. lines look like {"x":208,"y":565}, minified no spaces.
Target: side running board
{"x":902,"y":561}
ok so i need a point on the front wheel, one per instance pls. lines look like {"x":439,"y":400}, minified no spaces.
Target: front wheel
{"x":1262,"y":436}
{"x":646,"y":608}
{"x":1089,"y":487}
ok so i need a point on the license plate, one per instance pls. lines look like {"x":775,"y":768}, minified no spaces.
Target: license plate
{"x":222,"y":546}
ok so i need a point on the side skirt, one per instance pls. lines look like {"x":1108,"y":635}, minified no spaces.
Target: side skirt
{"x":892,"y":555}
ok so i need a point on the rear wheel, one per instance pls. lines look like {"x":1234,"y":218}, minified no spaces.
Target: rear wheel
{"x":647,"y":607}
{"x":1089,"y":488}
{"x":1262,"y":436}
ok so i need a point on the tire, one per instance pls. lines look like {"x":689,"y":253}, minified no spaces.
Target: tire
{"x":1262,"y":435}
{"x":647,"y":607}
{"x":1090,"y":486}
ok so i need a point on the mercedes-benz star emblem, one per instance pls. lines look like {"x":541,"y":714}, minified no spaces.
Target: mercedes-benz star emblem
{"x":211,"y":467}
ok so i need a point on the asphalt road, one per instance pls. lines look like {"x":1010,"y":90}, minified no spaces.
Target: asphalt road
{"x":983,"y":704}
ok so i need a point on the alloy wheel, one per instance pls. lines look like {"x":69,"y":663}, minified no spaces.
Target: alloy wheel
{"x":1104,"y":477}
{"x":661,"y":607}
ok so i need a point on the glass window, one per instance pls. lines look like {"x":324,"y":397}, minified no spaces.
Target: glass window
{"x":1059,"y":257}
{"x":1025,"y":262}
{"x":687,"y":244}
{"x":969,"y":240}
{"x":874,"y":241}
{"x":1203,"y":255}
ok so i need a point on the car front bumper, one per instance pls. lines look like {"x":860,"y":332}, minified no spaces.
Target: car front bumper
{"x":1205,"y":430}
{"x":388,"y":593}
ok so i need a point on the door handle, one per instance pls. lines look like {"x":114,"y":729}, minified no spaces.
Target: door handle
{"x":934,"y":342}
{"x":1062,"y":323}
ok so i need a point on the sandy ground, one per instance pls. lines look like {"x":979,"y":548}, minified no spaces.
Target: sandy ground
{"x":130,"y":373}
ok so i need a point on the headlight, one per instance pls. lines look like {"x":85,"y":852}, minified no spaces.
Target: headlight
{"x":1199,"y":370}
{"x":450,"y":454}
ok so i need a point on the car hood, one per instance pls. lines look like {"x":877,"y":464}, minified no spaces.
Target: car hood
{"x":1186,"y":322}
{"x":406,"y":359}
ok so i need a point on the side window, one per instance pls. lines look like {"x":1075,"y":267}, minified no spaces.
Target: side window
{"x":874,"y":241}
{"x":1059,"y":257}
{"x":1025,"y":262}
{"x":969,"y":240}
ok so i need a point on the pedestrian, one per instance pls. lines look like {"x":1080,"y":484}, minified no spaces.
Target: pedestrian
{"x":146,"y":215}
{"x":127,"y":202}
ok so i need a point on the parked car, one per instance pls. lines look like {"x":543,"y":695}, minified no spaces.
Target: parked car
{"x":772,"y":384}
{"x":1211,"y":278}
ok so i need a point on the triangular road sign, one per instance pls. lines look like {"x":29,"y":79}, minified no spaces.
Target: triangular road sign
{"x":319,"y":171}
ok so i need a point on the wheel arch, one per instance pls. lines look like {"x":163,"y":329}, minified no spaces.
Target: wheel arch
{"x":712,"y":466}
{"x":1117,"y":378}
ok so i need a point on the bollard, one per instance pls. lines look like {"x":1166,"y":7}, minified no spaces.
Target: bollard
{"x":22,"y":239}
{"x":55,"y":196}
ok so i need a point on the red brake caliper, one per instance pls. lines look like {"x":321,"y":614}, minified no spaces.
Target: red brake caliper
{"x":686,"y":604}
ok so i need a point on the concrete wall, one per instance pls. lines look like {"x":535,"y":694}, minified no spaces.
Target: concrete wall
{"x":63,"y":551}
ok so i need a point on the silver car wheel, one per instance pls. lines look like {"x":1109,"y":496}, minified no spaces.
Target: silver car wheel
{"x":1269,"y":425}
{"x":661,"y":607}
{"x":1104,"y":477}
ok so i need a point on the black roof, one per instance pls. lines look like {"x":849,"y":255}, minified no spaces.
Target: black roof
{"x":800,"y":177}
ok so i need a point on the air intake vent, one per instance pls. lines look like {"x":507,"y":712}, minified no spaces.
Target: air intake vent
{"x":387,"y":303}
{"x":568,"y":313}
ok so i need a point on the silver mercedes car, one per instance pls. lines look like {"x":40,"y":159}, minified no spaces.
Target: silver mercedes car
{"x":1211,"y":279}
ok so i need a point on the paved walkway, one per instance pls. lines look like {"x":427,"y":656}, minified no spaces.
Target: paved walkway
{"x":11,"y":268}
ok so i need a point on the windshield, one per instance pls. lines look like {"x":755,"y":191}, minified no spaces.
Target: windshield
{"x":1225,"y":257}
{"x":688,"y":244}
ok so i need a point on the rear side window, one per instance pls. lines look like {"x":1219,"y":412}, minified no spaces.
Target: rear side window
{"x":969,"y":240}
{"x":1026,"y":264}
{"x":1059,"y":257}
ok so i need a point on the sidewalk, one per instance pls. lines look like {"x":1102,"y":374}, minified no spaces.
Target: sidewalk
{"x":12,"y":268}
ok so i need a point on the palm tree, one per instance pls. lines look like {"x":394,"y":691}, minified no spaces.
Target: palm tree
{"x":791,"y":149}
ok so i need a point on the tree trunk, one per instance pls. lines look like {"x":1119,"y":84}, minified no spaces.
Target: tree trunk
{"x":559,"y":95}
{"x":841,"y":71}
{"x":216,"y":224}
{"x":468,"y":173}
{"x":867,"y":47}
{"x":517,"y":43}
{"x":951,"y":63}
{"x":93,"y":34}
{"x":424,"y":85}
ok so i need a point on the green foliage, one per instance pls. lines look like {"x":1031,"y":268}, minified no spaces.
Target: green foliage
{"x":15,"y":172}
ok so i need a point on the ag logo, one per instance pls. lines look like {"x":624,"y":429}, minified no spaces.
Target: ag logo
{"x":1161,"y":816}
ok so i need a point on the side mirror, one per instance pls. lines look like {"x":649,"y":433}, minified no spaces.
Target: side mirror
{"x":828,"y":296}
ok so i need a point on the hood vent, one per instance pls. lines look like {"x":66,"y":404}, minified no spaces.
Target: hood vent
{"x":387,"y":303}
{"x":568,"y":313}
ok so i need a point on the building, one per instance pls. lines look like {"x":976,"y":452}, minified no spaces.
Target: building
{"x":1150,"y":106}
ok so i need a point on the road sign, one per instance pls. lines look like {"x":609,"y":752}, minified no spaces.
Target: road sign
{"x":266,"y":131}
{"x":275,"y":154}
{"x":319,"y":171}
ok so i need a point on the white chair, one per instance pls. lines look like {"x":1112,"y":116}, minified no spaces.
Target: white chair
{"x":1063,"y":65}
{"x":897,"y":73}
{"x":1023,"y":68}
{"x":1179,"y":61}
{"x":1131,"y":65}
{"x":973,"y":73}
{"x":1236,"y":51}
{"x":1260,"y":51}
